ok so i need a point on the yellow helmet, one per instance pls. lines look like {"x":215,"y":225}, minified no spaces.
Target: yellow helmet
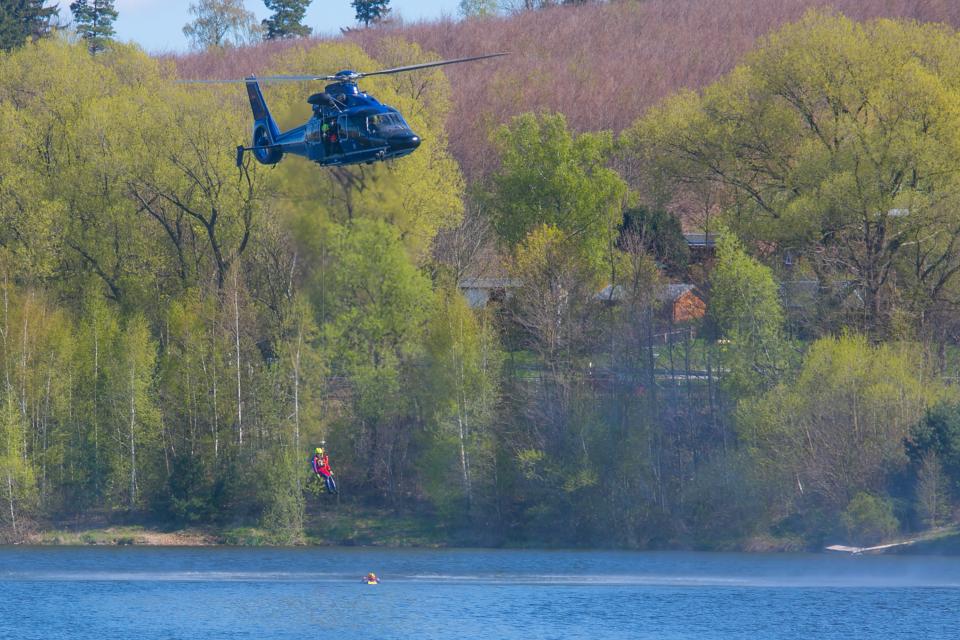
{"x":320,"y":450}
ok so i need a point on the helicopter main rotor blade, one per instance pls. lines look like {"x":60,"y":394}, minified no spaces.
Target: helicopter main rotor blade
{"x":363,"y":74}
{"x":182,"y":81}
{"x":262,"y":79}
{"x":425,"y":65}
{"x":302,"y":78}
{"x":347,"y":77}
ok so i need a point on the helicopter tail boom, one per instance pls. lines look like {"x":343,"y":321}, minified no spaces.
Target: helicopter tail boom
{"x":265,"y":129}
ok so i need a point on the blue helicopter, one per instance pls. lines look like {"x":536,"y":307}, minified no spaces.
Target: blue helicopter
{"x":348,"y":126}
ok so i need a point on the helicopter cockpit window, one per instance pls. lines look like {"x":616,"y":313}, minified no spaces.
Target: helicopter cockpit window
{"x":384,"y":121}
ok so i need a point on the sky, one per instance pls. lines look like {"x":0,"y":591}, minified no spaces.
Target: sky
{"x":157,"y":25}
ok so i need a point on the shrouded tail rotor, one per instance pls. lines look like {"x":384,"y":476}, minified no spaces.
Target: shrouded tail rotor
{"x":264,"y":150}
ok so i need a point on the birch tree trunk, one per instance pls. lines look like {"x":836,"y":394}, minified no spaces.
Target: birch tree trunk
{"x":236,"y":328}
{"x":133,"y":448}
{"x":13,"y":513}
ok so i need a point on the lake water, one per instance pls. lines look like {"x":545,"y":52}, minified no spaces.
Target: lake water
{"x":305,"y":594}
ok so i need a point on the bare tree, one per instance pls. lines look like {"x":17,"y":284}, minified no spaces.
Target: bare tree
{"x":218,"y":23}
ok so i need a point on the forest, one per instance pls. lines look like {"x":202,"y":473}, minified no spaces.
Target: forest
{"x":178,"y":334}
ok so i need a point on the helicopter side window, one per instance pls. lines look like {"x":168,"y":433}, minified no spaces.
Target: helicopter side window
{"x":313,"y":131}
{"x":353,"y":126}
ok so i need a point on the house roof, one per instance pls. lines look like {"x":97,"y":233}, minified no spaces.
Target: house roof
{"x":489,"y":283}
{"x":669,"y":293}
{"x":708,"y":240}
{"x":674,"y":291}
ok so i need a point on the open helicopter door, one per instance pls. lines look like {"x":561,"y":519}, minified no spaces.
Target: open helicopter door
{"x":265,"y":130}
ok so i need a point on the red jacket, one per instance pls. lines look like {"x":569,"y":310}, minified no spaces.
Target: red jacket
{"x":321,"y":465}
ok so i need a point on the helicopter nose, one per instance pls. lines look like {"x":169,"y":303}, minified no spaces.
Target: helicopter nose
{"x":403,"y":143}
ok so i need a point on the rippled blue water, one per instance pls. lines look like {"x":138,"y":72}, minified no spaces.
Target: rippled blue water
{"x":210,"y":593}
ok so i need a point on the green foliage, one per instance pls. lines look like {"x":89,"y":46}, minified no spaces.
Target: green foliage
{"x":94,"y":22}
{"x":549,"y":176}
{"x":167,"y":335}
{"x":937,"y":435}
{"x":97,"y":332}
{"x":834,"y":140}
{"x":725,"y":501}
{"x":17,"y":476}
{"x":134,"y":415}
{"x":657,"y":233}
{"x":160,"y":191}
{"x":23,"y":19}
{"x":300,"y":372}
{"x":176,"y":334}
{"x":374,"y":300}
{"x":374,"y":303}
{"x":869,"y":519}
{"x":745,"y":306}
{"x":370,"y":11}
{"x":555,"y":297}
{"x":220,"y":22}
{"x":287,"y":19}
{"x":167,"y":196}
{"x":461,"y":386}
{"x":933,"y":492}
{"x":837,"y":429}
{"x":562,"y":456}
{"x":188,"y":495}
{"x":282,"y":498}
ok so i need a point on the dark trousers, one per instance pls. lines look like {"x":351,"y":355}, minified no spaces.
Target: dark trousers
{"x":329,"y":482}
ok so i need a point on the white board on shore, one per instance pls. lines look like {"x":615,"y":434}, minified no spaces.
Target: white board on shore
{"x":882,"y":547}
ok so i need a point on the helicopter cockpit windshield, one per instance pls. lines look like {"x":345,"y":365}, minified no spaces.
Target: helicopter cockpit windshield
{"x":383,"y":123}
{"x":378,"y":125}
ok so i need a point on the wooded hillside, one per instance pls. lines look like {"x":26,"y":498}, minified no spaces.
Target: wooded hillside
{"x":178,"y":334}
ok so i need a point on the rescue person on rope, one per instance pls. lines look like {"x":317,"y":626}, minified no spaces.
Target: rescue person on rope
{"x":321,"y":467}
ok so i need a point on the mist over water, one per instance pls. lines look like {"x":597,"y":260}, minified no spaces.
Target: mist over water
{"x":315,"y":593}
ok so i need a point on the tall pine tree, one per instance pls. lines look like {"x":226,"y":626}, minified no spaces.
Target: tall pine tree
{"x":94,"y":19}
{"x":286,"y":21}
{"x":370,"y":10}
{"x":22,"y":19}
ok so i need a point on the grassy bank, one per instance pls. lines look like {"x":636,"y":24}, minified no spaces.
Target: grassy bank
{"x":349,"y":525}
{"x":345,"y":526}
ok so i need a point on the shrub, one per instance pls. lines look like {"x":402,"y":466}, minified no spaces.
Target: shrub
{"x":869,"y":519}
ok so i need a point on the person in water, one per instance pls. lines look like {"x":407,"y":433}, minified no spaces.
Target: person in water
{"x":321,"y":467}
{"x":371,"y":578}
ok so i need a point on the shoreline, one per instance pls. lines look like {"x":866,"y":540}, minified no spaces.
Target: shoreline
{"x":123,"y":536}
{"x":943,"y":542}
